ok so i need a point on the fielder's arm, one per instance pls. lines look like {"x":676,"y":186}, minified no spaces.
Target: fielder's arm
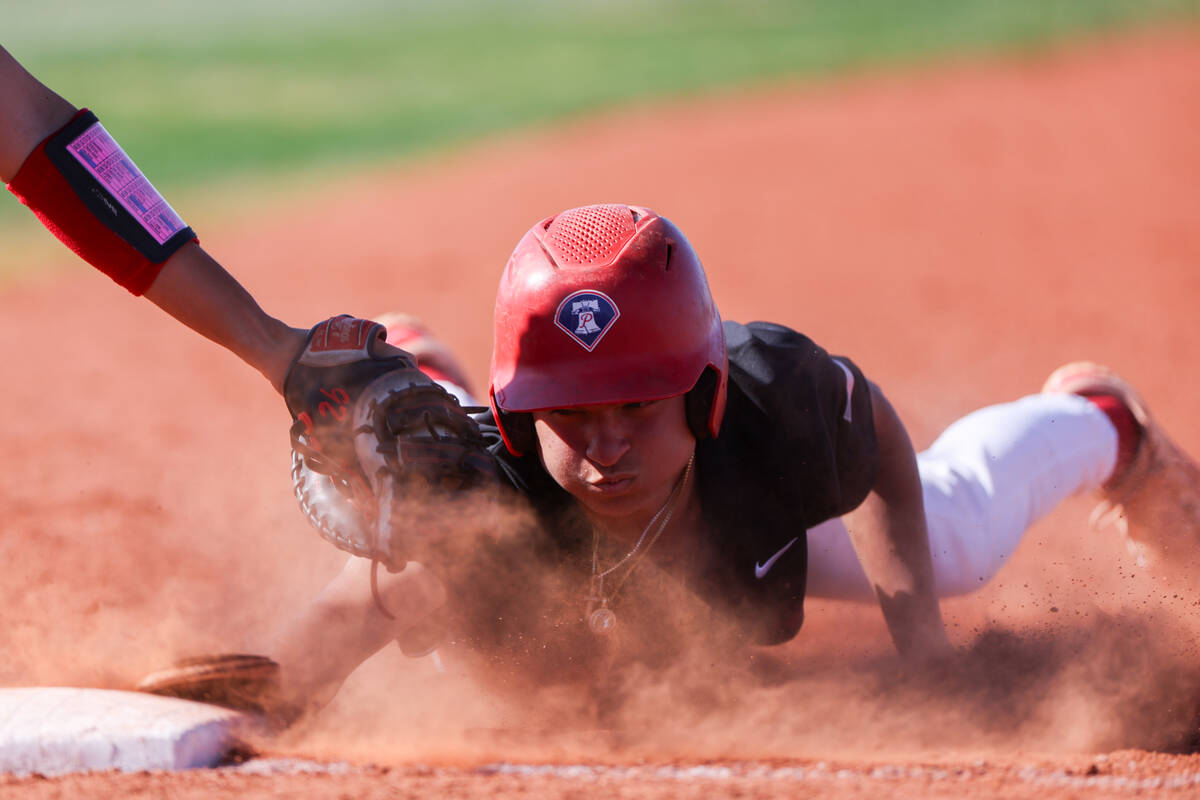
{"x":31,"y":112}
{"x":188,"y":284}
{"x":890,"y":537}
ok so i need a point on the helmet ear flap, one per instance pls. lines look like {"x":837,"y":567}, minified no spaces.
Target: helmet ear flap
{"x":518,"y":431}
{"x":699,"y":402}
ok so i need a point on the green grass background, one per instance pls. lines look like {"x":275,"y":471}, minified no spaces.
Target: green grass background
{"x":207,"y":91}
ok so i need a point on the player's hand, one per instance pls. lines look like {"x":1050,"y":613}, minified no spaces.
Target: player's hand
{"x":924,"y":635}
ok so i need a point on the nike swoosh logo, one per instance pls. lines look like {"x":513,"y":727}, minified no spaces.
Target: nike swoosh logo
{"x":762,"y":569}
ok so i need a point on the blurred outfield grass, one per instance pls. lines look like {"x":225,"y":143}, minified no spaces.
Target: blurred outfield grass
{"x":198,"y":92}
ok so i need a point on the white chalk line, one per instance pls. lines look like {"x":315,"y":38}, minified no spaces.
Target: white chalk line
{"x":819,"y":771}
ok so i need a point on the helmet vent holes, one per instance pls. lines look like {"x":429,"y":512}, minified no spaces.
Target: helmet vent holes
{"x":670,"y":251}
{"x":590,"y":235}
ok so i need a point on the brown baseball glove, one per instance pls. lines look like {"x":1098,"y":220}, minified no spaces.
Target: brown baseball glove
{"x":240,"y":682}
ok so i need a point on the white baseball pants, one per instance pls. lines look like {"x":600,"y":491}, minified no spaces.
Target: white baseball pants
{"x":986,"y":479}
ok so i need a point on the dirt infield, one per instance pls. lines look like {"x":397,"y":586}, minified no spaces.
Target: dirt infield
{"x":958,"y":232}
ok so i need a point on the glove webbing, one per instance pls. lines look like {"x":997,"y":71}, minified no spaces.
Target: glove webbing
{"x":450,"y":454}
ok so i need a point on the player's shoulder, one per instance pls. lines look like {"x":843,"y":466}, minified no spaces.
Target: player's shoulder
{"x":763,"y":352}
{"x":779,"y":369}
{"x":803,"y":414}
{"x":739,"y":335}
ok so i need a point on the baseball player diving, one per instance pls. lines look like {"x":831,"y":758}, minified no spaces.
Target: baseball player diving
{"x":640,"y":472}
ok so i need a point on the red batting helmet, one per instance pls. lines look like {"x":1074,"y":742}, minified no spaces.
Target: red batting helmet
{"x":605,"y":304}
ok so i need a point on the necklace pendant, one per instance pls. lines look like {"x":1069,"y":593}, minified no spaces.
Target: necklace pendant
{"x":602,"y":620}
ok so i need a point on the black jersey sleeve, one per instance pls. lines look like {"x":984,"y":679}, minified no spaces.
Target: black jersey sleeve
{"x":820,"y":421}
{"x":856,"y":450}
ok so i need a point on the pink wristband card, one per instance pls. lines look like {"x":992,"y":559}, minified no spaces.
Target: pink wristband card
{"x":100,"y":155}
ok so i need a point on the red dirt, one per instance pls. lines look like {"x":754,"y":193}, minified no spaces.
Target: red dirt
{"x":959,"y":232}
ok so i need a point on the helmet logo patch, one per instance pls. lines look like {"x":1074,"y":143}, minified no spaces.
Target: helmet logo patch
{"x":586,"y":316}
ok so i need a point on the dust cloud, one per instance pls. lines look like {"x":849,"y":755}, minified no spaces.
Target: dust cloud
{"x":105,"y":583}
{"x":1083,"y":679}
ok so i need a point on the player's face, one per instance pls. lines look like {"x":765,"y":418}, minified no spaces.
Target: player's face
{"x":620,"y":461}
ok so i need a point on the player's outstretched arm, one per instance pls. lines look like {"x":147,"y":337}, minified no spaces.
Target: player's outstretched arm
{"x":196,"y":290}
{"x":891,"y":539}
{"x":343,"y":626}
{"x":177,"y":275}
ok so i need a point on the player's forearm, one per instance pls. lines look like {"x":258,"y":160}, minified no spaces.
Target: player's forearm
{"x":343,"y":626}
{"x":196,"y":290}
{"x":891,"y":540}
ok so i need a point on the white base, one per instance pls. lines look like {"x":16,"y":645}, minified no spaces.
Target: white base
{"x":54,"y":731}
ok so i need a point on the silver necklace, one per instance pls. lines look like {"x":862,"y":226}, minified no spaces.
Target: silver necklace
{"x":600,"y":617}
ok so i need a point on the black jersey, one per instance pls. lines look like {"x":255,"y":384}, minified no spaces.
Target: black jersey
{"x":796,"y":447}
